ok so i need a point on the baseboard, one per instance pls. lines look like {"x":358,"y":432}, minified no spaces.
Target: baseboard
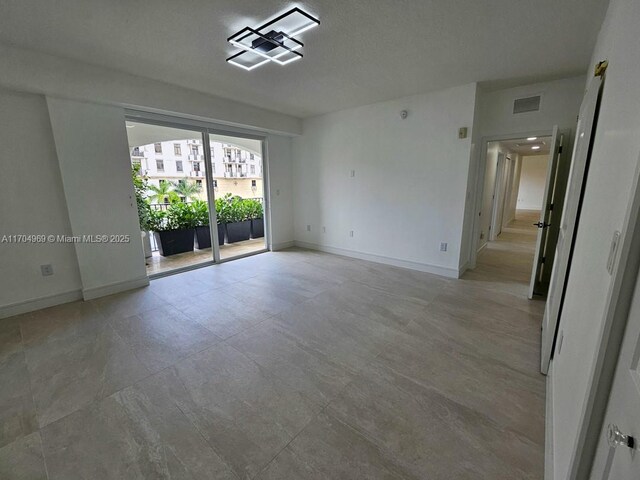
{"x":39,"y":303}
{"x":104,"y":290}
{"x":482,"y":247}
{"x":548,"y":431}
{"x":282,"y":246}
{"x":396,"y":262}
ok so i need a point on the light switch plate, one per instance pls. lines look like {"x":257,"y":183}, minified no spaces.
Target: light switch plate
{"x":612,"y":252}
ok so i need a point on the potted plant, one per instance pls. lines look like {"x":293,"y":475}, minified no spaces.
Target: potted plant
{"x":239,"y":225}
{"x":222,"y":217}
{"x":200,"y":211}
{"x":256,"y":215}
{"x":174,"y":229}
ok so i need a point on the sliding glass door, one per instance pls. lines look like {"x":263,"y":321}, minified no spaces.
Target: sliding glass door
{"x":200,"y":194}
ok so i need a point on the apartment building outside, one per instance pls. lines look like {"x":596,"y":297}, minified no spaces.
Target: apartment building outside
{"x":235,"y":170}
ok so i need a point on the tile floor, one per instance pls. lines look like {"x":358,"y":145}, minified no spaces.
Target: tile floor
{"x":159,"y":264}
{"x":287,"y":365}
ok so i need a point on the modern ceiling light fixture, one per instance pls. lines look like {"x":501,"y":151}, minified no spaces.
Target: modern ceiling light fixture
{"x":271,"y":42}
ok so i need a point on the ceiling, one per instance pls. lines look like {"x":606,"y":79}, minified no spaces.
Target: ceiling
{"x":523,"y":146}
{"x":364,"y":51}
{"x":146,"y":133}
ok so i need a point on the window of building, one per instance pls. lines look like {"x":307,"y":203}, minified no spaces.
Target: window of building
{"x":162,"y":182}
{"x":137,"y":152}
{"x":194,"y":150}
{"x":253,"y":183}
{"x":228,"y":168}
{"x":253,"y":169}
{"x":177,"y":150}
{"x":157,"y":147}
{"x":160,"y":165}
{"x":215,"y":183}
{"x":196,"y":166}
{"x":251,"y":156}
{"x":199,"y":183}
{"x":179,"y":165}
{"x":181,"y":182}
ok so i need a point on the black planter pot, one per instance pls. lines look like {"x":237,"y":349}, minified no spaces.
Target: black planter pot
{"x":221,"y":231}
{"x":238,"y":231}
{"x":257,"y":228}
{"x":171,"y":242}
{"x":203,"y":237}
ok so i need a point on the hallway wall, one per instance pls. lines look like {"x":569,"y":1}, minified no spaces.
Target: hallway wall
{"x":533,"y":175}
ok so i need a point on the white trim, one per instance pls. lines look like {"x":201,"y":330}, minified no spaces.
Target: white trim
{"x":117,"y":287}
{"x":548,"y":431}
{"x":282,"y":246}
{"x":39,"y":303}
{"x":482,"y":247}
{"x":396,"y":262}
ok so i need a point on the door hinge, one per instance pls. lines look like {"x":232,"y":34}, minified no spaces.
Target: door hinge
{"x":601,"y":67}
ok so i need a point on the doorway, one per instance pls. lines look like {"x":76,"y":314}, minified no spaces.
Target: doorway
{"x":200,"y":194}
{"x":515,"y":177}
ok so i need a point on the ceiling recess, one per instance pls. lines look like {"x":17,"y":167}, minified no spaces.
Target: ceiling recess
{"x":274,"y":41}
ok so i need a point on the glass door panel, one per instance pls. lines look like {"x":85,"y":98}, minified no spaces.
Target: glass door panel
{"x":169,"y":174}
{"x":238,"y":183}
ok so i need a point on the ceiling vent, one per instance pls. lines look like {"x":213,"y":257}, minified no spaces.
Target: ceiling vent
{"x":528,"y":104}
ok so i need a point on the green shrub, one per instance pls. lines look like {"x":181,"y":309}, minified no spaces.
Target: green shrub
{"x":157,"y":220}
{"x":222,"y":209}
{"x":200,"y":213}
{"x":253,"y":208}
{"x":140,"y":187}
{"x":180,"y":216}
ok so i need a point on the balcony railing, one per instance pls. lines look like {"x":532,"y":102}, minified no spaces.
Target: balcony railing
{"x":198,"y":173}
{"x":196,"y":158}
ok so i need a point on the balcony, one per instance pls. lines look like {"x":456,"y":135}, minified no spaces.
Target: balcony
{"x":196,"y":173}
{"x":194,"y":142}
{"x":195,"y":158}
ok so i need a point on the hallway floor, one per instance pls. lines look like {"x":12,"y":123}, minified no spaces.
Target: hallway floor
{"x":286,"y":365}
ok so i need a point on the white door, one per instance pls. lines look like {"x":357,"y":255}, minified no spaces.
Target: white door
{"x":569,"y":221}
{"x":617,"y":456}
{"x":546,"y":212}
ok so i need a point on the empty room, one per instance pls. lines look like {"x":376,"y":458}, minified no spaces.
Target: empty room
{"x":320,"y":240}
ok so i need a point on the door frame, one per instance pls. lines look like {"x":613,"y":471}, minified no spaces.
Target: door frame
{"x":497,"y":216}
{"x":626,"y":265}
{"x":206,"y":128}
{"x":480,"y":173}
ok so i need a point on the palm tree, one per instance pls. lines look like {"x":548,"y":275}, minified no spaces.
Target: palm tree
{"x":163,"y":192}
{"x":186,"y":189}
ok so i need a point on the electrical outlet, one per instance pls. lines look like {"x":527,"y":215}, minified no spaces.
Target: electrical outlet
{"x":351,"y":233}
{"x":352,"y":173}
{"x":308,"y":228}
{"x":443,"y":247}
{"x":47,"y":270}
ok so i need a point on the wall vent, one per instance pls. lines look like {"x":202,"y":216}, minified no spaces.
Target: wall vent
{"x":528,"y":104}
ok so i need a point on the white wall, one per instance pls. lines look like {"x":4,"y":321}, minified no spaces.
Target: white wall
{"x":607,"y":193}
{"x":533,"y":175}
{"x":559,"y":105}
{"x":31,"y":202}
{"x":512,"y":201}
{"x":91,"y":143}
{"x":281,"y":181}
{"x":26,"y":70}
{"x":410,"y":180}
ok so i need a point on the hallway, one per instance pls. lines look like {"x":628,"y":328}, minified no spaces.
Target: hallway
{"x":286,"y":365}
